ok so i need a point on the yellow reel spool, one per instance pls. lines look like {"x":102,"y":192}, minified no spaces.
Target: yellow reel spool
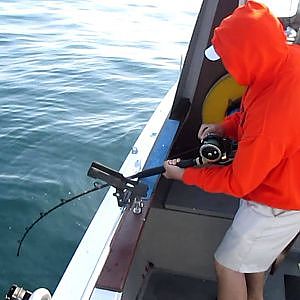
{"x":224,"y":91}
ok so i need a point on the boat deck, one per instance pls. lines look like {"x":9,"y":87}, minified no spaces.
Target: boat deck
{"x":164,"y":285}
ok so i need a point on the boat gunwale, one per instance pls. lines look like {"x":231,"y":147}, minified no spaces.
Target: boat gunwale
{"x":88,"y":260}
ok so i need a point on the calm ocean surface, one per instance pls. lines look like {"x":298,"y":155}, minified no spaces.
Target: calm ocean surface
{"x":78,"y":82}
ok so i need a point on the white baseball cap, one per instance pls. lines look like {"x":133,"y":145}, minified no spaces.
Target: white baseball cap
{"x":211,"y":53}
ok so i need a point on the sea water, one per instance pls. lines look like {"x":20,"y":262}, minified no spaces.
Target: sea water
{"x":78,"y":82}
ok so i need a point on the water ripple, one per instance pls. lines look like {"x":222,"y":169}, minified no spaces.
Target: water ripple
{"x":78,"y":82}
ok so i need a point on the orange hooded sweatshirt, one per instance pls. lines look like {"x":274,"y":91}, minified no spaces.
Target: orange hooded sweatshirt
{"x":266,"y":169}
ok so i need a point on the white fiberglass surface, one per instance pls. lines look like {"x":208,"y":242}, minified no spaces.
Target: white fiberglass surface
{"x":280,"y":8}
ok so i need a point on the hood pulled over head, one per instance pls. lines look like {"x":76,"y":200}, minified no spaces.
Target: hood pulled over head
{"x":251,"y":43}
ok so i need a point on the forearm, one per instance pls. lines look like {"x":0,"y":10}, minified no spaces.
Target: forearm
{"x":245,"y":173}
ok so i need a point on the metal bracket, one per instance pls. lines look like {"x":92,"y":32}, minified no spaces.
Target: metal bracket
{"x":129,"y":193}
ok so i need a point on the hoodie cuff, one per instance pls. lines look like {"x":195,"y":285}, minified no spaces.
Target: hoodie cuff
{"x":188,"y":176}
{"x":228,"y":127}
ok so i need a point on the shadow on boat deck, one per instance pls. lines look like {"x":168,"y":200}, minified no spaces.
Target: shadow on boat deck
{"x":164,"y":285}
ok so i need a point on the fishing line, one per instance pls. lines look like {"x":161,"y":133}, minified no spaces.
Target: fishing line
{"x":97,"y":187}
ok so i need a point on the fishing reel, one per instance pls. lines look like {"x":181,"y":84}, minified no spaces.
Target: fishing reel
{"x":17,"y":293}
{"x":217,"y":150}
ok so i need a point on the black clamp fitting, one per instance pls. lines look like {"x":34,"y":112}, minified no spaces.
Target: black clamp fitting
{"x":129,"y":193}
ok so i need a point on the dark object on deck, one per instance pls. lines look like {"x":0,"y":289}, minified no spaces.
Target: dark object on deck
{"x":292,"y":287}
{"x":162,"y":285}
{"x":283,"y":255}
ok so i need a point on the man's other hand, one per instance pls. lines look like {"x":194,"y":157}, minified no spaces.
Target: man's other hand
{"x":206,"y":129}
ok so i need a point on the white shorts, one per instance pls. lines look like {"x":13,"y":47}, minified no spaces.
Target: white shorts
{"x":256,"y":237}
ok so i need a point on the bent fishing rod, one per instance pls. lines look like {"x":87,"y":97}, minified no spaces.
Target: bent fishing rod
{"x":129,"y":192}
{"x":98,"y":186}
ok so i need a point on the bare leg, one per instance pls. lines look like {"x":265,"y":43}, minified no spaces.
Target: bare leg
{"x":255,"y":285}
{"x":231,"y":284}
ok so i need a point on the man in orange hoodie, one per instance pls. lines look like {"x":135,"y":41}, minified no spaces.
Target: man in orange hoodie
{"x":265,"y":171}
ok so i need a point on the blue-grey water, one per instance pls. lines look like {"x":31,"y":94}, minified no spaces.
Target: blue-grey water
{"x":78,"y":81}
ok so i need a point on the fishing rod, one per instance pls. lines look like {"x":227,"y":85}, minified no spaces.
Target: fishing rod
{"x":129,"y":192}
{"x":161,"y":169}
{"x":214,"y":149}
{"x":97,"y":187}
{"x":112,"y":178}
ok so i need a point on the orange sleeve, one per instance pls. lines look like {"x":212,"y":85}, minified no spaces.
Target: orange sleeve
{"x":254,"y":159}
{"x":230,"y":125}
